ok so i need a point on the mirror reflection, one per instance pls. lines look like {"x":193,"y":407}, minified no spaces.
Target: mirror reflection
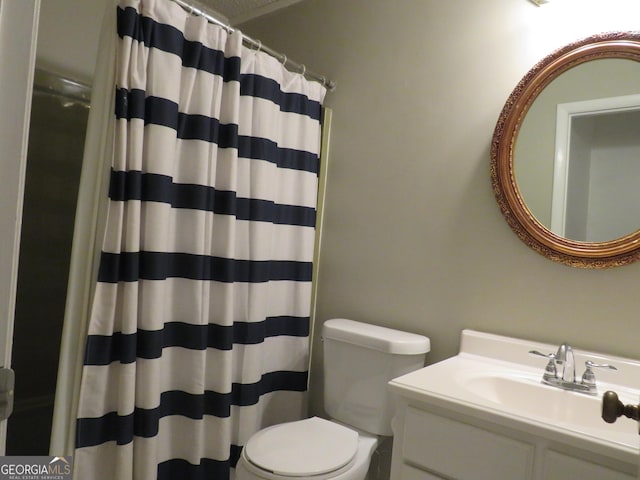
{"x":577,"y":154}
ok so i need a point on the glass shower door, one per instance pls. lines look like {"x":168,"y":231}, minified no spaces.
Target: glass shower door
{"x":59,"y":115}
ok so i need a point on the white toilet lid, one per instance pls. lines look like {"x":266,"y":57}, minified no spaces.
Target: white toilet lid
{"x":304,"y":448}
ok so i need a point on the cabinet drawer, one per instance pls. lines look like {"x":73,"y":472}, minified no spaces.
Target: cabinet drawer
{"x":461,"y":451}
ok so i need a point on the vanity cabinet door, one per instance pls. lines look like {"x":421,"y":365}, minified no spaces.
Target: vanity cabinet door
{"x":558,"y":465}
{"x":457,"y":450}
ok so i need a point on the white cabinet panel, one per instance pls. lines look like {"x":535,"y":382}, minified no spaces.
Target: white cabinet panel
{"x":410,"y":473}
{"x":558,"y":465}
{"x":462,"y":451}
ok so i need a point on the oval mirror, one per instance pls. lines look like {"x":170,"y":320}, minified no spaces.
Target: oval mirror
{"x":565,"y":154}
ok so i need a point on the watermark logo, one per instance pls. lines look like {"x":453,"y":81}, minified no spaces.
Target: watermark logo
{"x":36,"y":468}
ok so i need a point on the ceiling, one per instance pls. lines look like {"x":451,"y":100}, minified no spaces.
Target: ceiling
{"x":238,"y":11}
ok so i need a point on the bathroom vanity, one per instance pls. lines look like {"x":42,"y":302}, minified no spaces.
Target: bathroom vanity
{"x":485,"y":415}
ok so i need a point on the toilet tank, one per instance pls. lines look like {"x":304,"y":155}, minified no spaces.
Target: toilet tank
{"x":359,"y":360}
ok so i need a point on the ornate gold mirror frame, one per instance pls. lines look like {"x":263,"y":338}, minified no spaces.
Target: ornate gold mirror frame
{"x":621,"y":251}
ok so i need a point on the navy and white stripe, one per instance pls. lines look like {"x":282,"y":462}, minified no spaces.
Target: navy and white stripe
{"x":200,"y":324}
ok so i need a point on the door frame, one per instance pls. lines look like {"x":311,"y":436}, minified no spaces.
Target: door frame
{"x":18,"y":40}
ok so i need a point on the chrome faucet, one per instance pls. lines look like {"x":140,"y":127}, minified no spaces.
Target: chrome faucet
{"x":564,"y":357}
{"x":566,"y":379}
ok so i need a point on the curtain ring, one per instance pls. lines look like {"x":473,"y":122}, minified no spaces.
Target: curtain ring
{"x":304,"y":70}
{"x":283,"y":59}
{"x":258,"y":46}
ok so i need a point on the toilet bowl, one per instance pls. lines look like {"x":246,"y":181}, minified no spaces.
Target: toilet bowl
{"x":314,"y":449}
{"x":359,"y":360}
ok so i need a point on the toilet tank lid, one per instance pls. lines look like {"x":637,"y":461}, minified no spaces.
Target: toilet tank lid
{"x":387,"y":340}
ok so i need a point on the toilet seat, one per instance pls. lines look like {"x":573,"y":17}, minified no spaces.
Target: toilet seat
{"x":305,"y":448}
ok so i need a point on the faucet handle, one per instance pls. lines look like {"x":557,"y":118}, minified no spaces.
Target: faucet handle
{"x":550,"y":356}
{"x":550,"y":370}
{"x":590,"y":364}
{"x":588,"y":377}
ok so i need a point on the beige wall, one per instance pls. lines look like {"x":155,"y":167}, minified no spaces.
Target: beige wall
{"x":413,"y":237}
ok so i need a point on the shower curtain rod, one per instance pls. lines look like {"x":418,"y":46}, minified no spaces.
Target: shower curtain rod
{"x":329,"y":84}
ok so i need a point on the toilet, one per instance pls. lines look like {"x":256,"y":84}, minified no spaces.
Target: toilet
{"x":359,"y":360}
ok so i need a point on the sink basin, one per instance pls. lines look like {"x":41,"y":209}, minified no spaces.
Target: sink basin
{"x":528,"y":396}
{"x":495,"y":377}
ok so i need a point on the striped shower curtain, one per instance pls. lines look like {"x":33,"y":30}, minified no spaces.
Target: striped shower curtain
{"x":199,"y":329}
